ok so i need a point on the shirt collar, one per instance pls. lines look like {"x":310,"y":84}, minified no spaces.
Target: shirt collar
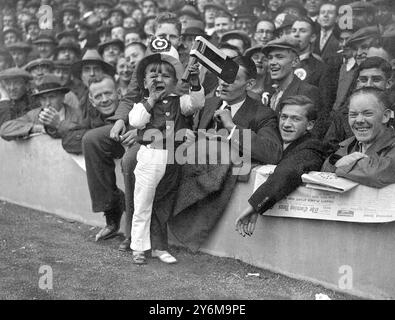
{"x":233,"y":107}
{"x":304,"y":56}
{"x":350,"y":63}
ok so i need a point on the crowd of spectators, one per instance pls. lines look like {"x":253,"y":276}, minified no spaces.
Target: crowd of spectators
{"x":314,"y":91}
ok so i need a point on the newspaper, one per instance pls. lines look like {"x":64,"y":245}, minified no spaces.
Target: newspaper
{"x":327,"y":181}
{"x":360,"y":204}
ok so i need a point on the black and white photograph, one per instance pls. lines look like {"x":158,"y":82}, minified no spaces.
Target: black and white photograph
{"x":197,"y":156}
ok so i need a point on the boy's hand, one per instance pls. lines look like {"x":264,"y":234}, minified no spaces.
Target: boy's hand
{"x":194,"y":71}
{"x":156,"y":96}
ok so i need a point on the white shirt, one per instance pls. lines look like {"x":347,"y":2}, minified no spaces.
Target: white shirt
{"x":233,"y":110}
{"x":324,"y":39}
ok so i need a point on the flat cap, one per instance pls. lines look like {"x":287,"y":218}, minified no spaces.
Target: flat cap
{"x":19,"y":46}
{"x":237,"y":34}
{"x":285,"y":42}
{"x":364,"y":33}
{"x":38,"y":62}
{"x":15,"y":73}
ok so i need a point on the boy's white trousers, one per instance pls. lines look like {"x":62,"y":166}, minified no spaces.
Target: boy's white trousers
{"x":150,"y":169}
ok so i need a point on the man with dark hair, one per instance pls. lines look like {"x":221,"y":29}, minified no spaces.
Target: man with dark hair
{"x":301,"y":153}
{"x":205,"y":189}
{"x":314,"y":71}
{"x":368,"y":157}
{"x":283,"y":60}
{"x":373,"y":72}
{"x":313,"y":8}
{"x":327,"y":43}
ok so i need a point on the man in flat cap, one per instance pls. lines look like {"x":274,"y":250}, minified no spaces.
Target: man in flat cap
{"x":11,"y":35}
{"x":20,"y":53}
{"x":67,"y":50}
{"x":15,"y":100}
{"x":116,"y":17}
{"x":283,"y":56}
{"x":69,"y":15}
{"x":111,"y":50}
{"x":32,"y":30}
{"x":45,"y":44}
{"x":53,"y":117}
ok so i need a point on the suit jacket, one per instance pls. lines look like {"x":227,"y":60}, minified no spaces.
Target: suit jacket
{"x":377,"y":170}
{"x":299,"y":87}
{"x":330,"y":48}
{"x":303,"y":155}
{"x":265,"y":138}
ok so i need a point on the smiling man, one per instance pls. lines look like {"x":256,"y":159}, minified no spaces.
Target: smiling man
{"x":368,"y":157}
{"x":302,"y":153}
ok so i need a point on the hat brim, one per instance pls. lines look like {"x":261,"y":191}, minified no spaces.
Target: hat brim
{"x":102,"y":46}
{"x":157,"y":58}
{"x":269,"y":48}
{"x":60,"y":89}
{"x":45,"y":41}
{"x":76,"y":68}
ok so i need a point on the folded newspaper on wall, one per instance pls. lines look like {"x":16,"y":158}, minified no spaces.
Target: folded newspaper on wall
{"x":360,"y":204}
{"x":327,"y":181}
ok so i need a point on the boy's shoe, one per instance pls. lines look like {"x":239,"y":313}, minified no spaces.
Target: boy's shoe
{"x":163,"y":256}
{"x":125,"y":245}
{"x":139,"y":257}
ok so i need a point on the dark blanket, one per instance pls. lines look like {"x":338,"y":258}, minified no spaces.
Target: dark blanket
{"x":203,"y":195}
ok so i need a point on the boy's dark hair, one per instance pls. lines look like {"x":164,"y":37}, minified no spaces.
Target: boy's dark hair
{"x":168,"y":17}
{"x":377,"y":63}
{"x":302,"y":101}
{"x":248,"y":65}
{"x":139,"y":44}
{"x":225,"y":45}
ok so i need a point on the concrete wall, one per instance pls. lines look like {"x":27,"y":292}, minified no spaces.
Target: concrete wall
{"x":37,"y":173}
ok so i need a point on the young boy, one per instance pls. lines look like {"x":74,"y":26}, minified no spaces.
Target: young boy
{"x":157,"y":118}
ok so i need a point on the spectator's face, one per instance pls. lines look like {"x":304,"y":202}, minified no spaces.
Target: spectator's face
{"x":124,"y":70}
{"x":188,"y":42}
{"x":105,"y":36}
{"x":361,"y":50}
{"x":45,"y":50}
{"x":238,"y":43}
{"x":33,"y":31}
{"x":367,"y":118}
{"x":10,"y":38}
{"x":118,"y":33}
{"x":8,"y":21}
{"x":384,"y":14}
{"x":232,"y":4}
{"x":127,"y":7}
{"x":132,"y":37}
{"x":137,"y":15}
{"x":209,"y":15}
{"x":91,"y":72}
{"x":134,"y":54}
{"x":313,"y":7}
{"x":19,"y":56}
{"x":129,"y":22}
{"x":39,"y":72}
{"x":63,"y":74}
{"x":103,"y":96}
{"x":149,"y":27}
{"x":260,"y":61}
{"x":264,"y":32}
{"x":293,"y":122}
{"x":116,"y":19}
{"x":15,"y":87}
{"x":233,"y":92}
{"x":51,"y":99}
{"x":184,"y":20}
{"x":373,"y":78}
{"x":222,"y":25}
{"x":244,"y":24}
{"x":328,"y":16}
{"x":111,"y":54}
{"x":281,"y":63}
{"x":69,"y":19}
{"x":303,"y":33}
{"x":274,"y":5}
{"x":170,"y":32}
{"x":160,"y":78}
{"x":149,"y":8}
{"x":67,"y":54}
{"x":103,"y":11}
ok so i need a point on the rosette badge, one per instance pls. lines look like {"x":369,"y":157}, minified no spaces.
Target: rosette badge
{"x":159,"y":45}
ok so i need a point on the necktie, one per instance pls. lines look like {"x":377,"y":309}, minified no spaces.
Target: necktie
{"x":323,"y":39}
{"x":219,"y":122}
